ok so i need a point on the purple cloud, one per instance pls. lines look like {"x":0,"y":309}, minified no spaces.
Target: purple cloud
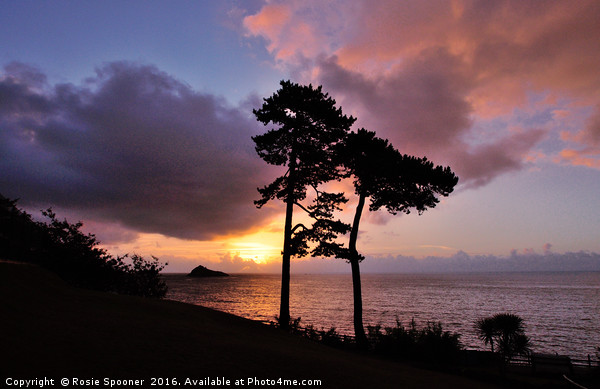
{"x":131,"y":145}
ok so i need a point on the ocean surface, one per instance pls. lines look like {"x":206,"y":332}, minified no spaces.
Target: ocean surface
{"x":561,"y":310}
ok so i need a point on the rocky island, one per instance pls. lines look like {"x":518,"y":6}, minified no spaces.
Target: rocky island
{"x":201,"y":271}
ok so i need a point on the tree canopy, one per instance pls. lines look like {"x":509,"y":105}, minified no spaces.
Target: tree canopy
{"x":308,"y":126}
{"x":395,"y":181}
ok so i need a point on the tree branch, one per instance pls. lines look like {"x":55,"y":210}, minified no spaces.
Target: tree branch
{"x":316,"y":190}
{"x":298,"y":226}
{"x":304,"y":209}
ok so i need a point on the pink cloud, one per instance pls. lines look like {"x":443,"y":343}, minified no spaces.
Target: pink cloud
{"x":294,"y":29}
{"x":512,"y":45}
{"x":591,"y":134}
{"x":589,"y":138}
{"x":422,"y":109}
{"x":420,"y":106}
{"x":478,"y":166}
{"x":561,"y":113}
{"x":588,"y":158}
{"x":269,"y":23}
{"x":424,"y":74}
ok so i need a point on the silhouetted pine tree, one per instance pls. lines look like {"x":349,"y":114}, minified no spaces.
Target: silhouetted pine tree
{"x":307,"y":129}
{"x":391,"y":180}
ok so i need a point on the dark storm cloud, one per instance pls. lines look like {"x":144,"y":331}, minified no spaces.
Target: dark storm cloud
{"x":131,"y":145}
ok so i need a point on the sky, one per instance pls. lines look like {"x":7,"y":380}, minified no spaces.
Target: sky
{"x":136,"y":119}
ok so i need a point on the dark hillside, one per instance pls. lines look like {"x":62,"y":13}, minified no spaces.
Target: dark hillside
{"x":52,"y":329}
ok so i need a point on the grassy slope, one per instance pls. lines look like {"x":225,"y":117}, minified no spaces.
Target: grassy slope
{"x":48,"y":328}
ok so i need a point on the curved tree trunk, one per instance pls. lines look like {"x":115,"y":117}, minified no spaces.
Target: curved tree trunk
{"x":359,"y":330}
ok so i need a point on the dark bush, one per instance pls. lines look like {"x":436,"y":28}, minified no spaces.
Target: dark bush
{"x":328,"y":337}
{"x":428,"y":344}
{"x":76,"y":257}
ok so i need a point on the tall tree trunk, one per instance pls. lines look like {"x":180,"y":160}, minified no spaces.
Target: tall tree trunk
{"x":359,"y":330}
{"x":284,"y":305}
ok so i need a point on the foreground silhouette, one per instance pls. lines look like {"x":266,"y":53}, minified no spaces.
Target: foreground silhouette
{"x":507,"y":331}
{"x":76,"y":257}
{"x":57,"y":331}
{"x":391,"y":180}
{"x":308,"y":126}
{"x":312,"y":138}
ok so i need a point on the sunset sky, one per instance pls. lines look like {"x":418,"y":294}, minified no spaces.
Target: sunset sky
{"x":135,"y":117}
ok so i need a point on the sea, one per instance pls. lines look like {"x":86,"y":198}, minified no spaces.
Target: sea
{"x":561,"y":310}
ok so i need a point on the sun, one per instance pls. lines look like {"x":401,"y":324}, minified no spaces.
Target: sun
{"x":262,"y":247}
{"x":260,"y":253}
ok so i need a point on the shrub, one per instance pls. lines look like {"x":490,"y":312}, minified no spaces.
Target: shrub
{"x":429,"y":344}
{"x":328,"y":337}
{"x":76,"y":257}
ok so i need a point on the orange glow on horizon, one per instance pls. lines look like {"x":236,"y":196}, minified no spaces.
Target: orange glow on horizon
{"x":262,"y":247}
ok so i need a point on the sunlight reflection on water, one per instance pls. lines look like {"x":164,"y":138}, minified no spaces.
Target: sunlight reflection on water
{"x":561,"y":310}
